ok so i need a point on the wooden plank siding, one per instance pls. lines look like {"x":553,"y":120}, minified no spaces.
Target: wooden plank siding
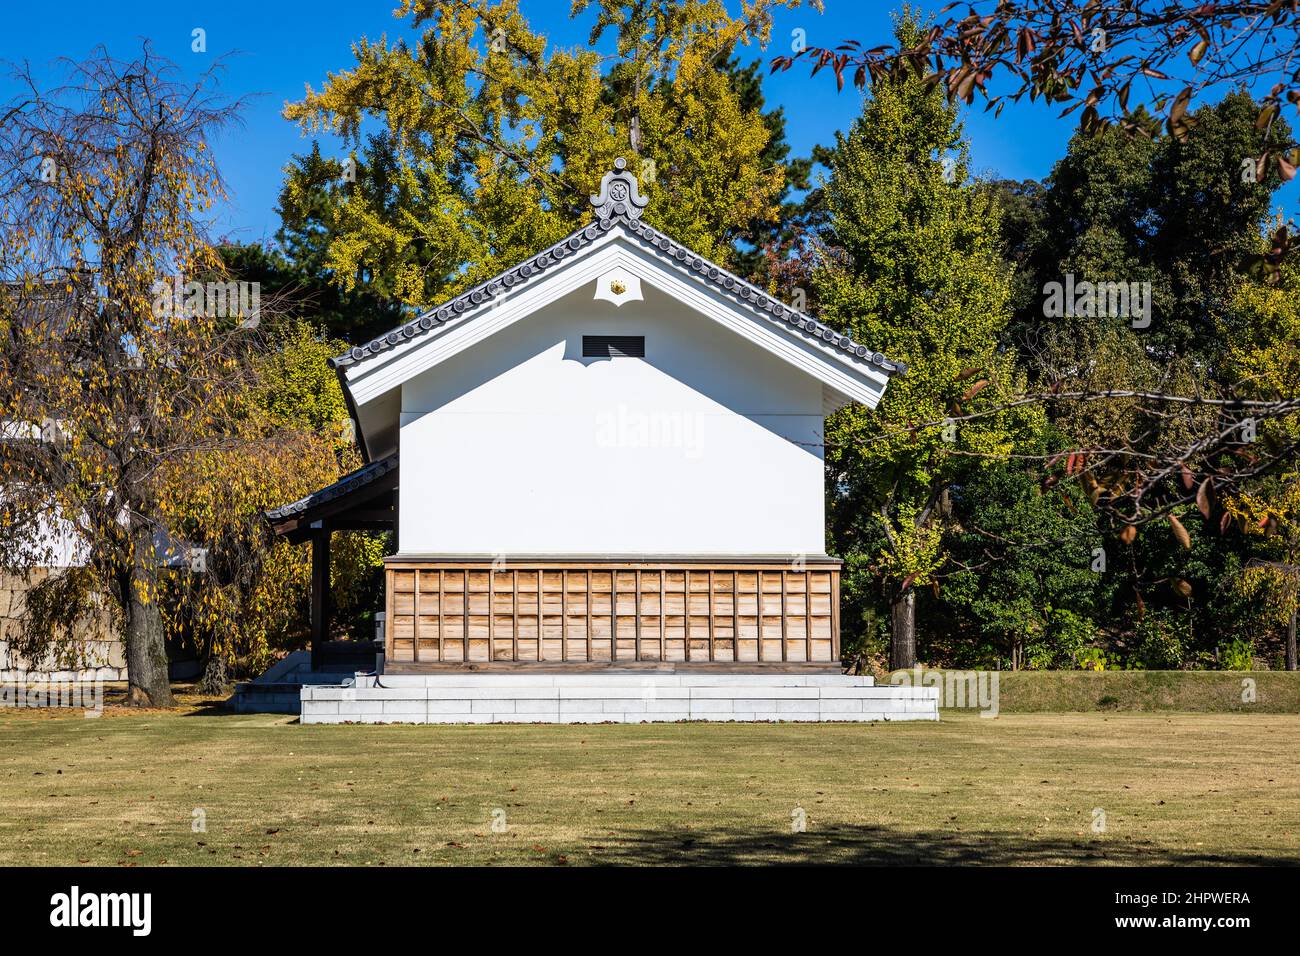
{"x":732,"y":612}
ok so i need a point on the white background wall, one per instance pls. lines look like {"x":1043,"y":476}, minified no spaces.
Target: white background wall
{"x":520,"y":446}
{"x":52,"y":543}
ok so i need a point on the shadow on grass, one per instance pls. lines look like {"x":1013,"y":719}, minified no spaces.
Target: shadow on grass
{"x":217,"y":707}
{"x":868,"y":846}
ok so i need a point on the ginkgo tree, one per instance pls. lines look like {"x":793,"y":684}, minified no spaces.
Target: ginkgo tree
{"x":478,"y":143}
{"x":253,"y":600}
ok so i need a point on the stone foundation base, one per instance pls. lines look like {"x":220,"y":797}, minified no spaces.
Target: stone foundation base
{"x":618,"y":697}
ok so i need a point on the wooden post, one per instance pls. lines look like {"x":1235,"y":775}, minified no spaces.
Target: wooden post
{"x":784,"y":584}
{"x":686,"y":615}
{"x":807,"y":607}
{"x":735,"y":615}
{"x":637,"y":620}
{"x":320,"y":602}
{"x":564,"y":614}
{"x":663,"y":615}
{"x":835,"y":616}
{"x":711,"y":637}
{"x":415,"y":630}
{"x":442,"y":610}
{"x":390,"y":604}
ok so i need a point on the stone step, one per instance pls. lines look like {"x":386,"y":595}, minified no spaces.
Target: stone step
{"x":612,"y":697}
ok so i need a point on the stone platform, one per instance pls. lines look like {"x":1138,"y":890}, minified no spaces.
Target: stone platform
{"x":612,"y":696}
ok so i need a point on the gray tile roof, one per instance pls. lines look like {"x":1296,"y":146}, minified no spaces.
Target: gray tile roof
{"x":619,"y":204}
{"x":367,"y":474}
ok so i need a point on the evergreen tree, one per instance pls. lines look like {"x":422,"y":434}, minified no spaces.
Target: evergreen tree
{"x":766,"y":233}
{"x":912,"y":268}
{"x":1026,"y":571}
{"x":355,"y":307}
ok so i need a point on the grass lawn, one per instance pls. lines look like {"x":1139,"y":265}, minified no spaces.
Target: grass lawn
{"x":1214,"y":692}
{"x":123,"y":789}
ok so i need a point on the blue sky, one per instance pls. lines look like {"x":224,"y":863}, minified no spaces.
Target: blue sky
{"x":276,"y":47}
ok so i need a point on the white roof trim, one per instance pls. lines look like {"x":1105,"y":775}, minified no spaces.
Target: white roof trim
{"x":850,"y":379}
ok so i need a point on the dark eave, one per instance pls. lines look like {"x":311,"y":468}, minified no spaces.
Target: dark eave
{"x":360,"y":499}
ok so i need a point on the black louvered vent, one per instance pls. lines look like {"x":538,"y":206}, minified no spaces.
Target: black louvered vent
{"x":609,"y":346}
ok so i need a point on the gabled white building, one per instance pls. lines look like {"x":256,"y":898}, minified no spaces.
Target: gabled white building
{"x":609,"y":455}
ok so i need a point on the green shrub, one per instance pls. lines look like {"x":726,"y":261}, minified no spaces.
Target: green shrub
{"x":1063,"y":641}
{"x":1162,"y":640}
{"x":1091,"y":659}
{"x":1237,"y":655}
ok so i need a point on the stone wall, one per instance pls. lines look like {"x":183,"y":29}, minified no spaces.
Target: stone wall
{"x":103,"y":650}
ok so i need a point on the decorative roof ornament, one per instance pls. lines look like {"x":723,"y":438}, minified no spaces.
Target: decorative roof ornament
{"x":620,"y":194}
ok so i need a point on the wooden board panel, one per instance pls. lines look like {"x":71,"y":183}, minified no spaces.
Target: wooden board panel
{"x":613,"y":612}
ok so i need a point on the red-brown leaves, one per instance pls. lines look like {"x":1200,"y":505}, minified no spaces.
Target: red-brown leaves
{"x":1203,"y":499}
{"x":1180,"y":533}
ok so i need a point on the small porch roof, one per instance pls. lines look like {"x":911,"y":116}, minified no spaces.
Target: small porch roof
{"x":362,"y":500}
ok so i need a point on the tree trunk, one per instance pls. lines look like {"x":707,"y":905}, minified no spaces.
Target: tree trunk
{"x":902,"y":645}
{"x":1290,"y":642}
{"x":146,"y":650}
{"x":216,"y":676}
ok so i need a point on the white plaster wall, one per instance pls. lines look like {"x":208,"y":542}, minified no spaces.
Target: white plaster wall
{"x":53,"y":543}
{"x":520,"y":446}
